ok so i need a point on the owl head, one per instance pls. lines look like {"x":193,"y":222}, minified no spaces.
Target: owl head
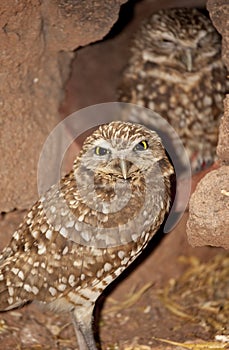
{"x":122,"y":150}
{"x":184,"y":39}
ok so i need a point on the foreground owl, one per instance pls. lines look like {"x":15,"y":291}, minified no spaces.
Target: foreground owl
{"x":88,"y":228}
{"x":176,"y":70}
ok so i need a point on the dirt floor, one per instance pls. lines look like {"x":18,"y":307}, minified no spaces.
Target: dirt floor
{"x":162,"y":295}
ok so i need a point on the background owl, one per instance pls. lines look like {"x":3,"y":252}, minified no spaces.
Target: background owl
{"x":176,"y":70}
{"x":87,"y":229}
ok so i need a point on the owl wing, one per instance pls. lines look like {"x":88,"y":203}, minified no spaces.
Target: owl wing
{"x":45,"y":257}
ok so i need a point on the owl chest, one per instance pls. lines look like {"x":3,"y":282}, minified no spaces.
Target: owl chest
{"x":161,"y":84}
{"x":178,"y":94}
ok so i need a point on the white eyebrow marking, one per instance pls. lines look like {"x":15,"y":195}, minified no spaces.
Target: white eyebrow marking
{"x":102,"y":143}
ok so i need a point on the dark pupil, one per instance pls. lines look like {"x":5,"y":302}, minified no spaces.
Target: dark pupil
{"x":141,"y":146}
{"x":166,"y":41}
{"x":100,"y":151}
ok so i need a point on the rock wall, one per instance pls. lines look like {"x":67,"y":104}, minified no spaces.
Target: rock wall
{"x":36,"y":44}
{"x":208,"y":222}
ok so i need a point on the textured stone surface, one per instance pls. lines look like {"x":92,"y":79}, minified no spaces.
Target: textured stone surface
{"x":219,"y":13}
{"x":209,"y":210}
{"x":209,"y":205}
{"x":36,"y":41}
{"x":223,"y":144}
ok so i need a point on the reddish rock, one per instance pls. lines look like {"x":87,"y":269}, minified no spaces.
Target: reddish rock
{"x":37,"y":40}
{"x":223,"y":144}
{"x":219,"y":13}
{"x":208,"y":221}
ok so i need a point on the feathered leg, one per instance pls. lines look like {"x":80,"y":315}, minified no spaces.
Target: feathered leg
{"x":82,"y":321}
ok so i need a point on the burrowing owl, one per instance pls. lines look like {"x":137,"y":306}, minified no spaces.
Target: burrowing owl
{"x":176,"y":70}
{"x":88,"y":228}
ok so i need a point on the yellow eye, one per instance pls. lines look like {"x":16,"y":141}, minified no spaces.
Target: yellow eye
{"x":141,"y":146}
{"x":100,"y":151}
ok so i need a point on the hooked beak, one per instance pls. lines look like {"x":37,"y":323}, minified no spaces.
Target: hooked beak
{"x":123,"y":166}
{"x":188,"y":60}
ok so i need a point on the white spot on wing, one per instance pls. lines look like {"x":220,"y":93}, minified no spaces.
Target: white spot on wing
{"x":15,"y":270}
{"x":61,"y":287}
{"x":35,"y":234}
{"x":53,"y":209}
{"x":48,"y":234}
{"x":121,"y":254}
{"x":43,"y":228}
{"x":35,"y":290}
{"x":11,"y":291}
{"x":63,"y":232}
{"x":99,"y":273}
{"x":21,"y":275}
{"x":82,"y":276}
{"x":125,"y":261}
{"x":107,"y":267}
{"x":41,"y":249}
{"x":16,"y":236}
{"x":52,"y":291}
{"x":65,"y":250}
{"x":86,"y":236}
{"x":71,"y":280}
{"x":10,"y":300}
{"x":135,"y":237}
{"x":70,"y":224}
{"x":27,"y":287}
{"x":30,"y":260}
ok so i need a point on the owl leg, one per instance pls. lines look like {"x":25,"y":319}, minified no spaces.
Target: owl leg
{"x":83,"y":327}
